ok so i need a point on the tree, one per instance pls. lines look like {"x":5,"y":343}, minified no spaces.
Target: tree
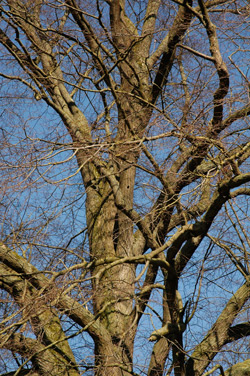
{"x":125,"y":169}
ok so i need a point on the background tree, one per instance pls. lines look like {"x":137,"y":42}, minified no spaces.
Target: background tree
{"x":124,"y":194}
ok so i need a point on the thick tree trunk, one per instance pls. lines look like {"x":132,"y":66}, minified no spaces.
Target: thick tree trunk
{"x":116,"y":359}
{"x":111,"y":234}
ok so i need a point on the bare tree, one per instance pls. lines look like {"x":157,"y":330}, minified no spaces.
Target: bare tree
{"x":124,"y":193}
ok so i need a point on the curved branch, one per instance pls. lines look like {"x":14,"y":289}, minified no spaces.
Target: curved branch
{"x":221,"y":68}
{"x":148,"y":27}
{"x":239,"y":369}
{"x":200,"y":229}
{"x":238,"y":331}
{"x":167,"y":48}
{"x":24,"y":270}
{"x":218,"y":335}
{"x":44,"y":361}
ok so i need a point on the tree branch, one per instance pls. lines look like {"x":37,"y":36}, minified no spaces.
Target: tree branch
{"x":23,"y":269}
{"x":167,"y":48}
{"x":218,"y":335}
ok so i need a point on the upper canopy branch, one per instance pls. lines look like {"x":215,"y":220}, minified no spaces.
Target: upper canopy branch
{"x":167,"y":48}
{"x":221,"y":68}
